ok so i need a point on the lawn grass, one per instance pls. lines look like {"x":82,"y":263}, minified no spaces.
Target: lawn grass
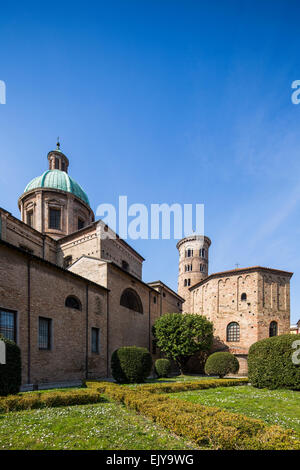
{"x":100,"y":426}
{"x":281,"y":407}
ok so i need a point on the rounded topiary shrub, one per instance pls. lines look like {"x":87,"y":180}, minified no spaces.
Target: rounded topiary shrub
{"x":10,"y":373}
{"x":221,"y":364}
{"x":162,"y":367}
{"x":131,"y":364}
{"x":272,"y":363}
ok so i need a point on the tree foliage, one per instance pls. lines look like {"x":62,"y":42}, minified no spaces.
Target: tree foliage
{"x":180,"y":336}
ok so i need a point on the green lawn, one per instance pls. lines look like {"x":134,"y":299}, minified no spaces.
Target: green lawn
{"x":280,"y":407}
{"x":100,"y":426}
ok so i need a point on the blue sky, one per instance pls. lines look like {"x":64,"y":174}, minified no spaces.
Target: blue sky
{"x":163,"y":101}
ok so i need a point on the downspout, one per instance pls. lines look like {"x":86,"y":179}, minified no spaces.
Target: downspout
{"x":28,"y":322}
{"x":107,"y":334}
{"x":149,"y":326}
{"x":87,"y":333}
{"x":160,"y":291}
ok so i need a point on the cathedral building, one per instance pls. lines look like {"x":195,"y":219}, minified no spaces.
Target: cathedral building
{"x":72,"y":291}
{"x":69,"y":295}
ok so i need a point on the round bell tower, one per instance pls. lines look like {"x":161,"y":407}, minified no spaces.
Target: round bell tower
{"x":193,"y":264}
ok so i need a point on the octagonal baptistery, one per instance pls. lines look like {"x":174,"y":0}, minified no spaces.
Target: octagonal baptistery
{"x":54,"y":203}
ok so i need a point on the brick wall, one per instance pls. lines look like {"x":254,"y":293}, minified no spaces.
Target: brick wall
{"x":266,"y":298}
{"x":45,"y":295}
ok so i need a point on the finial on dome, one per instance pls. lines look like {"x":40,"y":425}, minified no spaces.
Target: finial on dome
{"x":58,"y":144}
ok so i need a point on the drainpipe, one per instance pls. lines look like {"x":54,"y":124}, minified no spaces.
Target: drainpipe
{"x":149,"y":326}
{"x":107,"y":334}
{"x":28,"y":322}
{"x":87,"y":333}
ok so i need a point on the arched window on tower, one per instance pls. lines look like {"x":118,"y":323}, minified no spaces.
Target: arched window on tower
{"x":73,"y":302}
{"x":233,"y":332}
{"x":130,"y":299}
{"x":189,"y":253}
{"x":273,"y":328}
{"x":244,"y":296}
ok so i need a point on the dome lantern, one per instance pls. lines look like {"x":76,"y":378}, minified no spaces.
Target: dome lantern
{"x":57,"y":159}
{"x":54,"y":203}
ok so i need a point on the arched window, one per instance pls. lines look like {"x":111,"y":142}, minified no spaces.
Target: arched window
{"x":73,"y":302}
{"x":233,"y":332}
{"x":244,"y":296}
{"x":130,"y":299}
{"x":273,"y":328}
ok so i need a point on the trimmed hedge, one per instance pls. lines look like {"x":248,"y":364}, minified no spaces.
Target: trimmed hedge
{"x":206,"y":426}
{"x":10,"y":373}
{"x":131,"y":364}
{"x":178,"y":386}
{"x":34,"y":400}
{"x":162,"y":367}
{"x":270,"y":363}
{"x":189,"y":386}
{"x":221,"y":364}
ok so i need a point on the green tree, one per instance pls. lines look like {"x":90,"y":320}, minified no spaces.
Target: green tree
{"x":180,"y":336}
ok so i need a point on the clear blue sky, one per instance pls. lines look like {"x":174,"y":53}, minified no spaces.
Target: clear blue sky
{"x":163,"y":101}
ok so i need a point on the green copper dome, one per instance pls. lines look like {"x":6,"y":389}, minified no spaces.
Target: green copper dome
{"x":57,"y":179}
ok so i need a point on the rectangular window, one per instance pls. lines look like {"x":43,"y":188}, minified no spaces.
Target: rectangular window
{"x":56,"y":164}
{"x":95,"y":340}
{"x":125,"y":265}
{"x":29,"y":218}
{"x":80,"y":224}
{"x":8,"y":324}
{"x":45,"y":333}
{"x":54,"y":218}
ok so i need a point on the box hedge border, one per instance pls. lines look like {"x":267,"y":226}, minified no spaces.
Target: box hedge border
{"x":34,"y":400}
{"x":208,"y":427}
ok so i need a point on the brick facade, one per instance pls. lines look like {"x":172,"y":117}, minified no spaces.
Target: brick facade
{"x":41,"y":267}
